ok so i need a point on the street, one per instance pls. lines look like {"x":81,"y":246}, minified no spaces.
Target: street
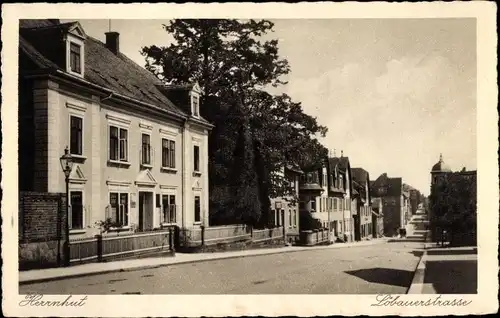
{"x":382,"y":268}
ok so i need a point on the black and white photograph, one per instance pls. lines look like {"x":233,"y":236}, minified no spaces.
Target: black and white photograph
{"x":177,"y":154}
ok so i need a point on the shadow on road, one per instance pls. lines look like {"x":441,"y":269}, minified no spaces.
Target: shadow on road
{"x":452,"y":277}
{"x":387,"y":276}
{"x":417,"y":253}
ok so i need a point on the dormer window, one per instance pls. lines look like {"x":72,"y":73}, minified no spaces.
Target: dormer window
{"x":75,"y":50}
{"x":75,"y":60}
{"x":196,"y":106}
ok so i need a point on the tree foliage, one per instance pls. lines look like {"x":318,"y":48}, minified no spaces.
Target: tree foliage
{"x":234,"y":65}
{"x":453,"y":205}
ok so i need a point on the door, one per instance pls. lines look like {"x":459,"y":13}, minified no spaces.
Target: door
{"x":146,"y":210}
{"x":141,"y":211}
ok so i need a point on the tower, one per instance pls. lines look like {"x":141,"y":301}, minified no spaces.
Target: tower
{"x":439,"y":170}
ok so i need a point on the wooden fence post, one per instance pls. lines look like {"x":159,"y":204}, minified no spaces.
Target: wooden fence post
{"x":171,"y":239}
{"x":283,"y":223}
{"x":99,"y":247}
{"x":202,"y":235}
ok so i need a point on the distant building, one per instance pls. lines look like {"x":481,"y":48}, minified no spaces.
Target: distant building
{"x":390,"y":191}
{"x":362,"y":204}
{"x":377,"y":217}
{"x":341,"y":173}
{"x":285,"y":212}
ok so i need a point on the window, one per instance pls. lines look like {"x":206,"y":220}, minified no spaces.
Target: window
{"x":196,"y":156}
{"x":75,"y":58}
{"x":291,"y":182}
{"x":168,"y":153}
{"x":294,"y":218}
{"x":118,"y":150}
{"x":76,"y":135}
{"x":146,"y":149}
{"x":119,"y":208}
{"x":290,"y":222}
{"x":335,"y":203}
{"x":76,"y":210}
{"x":196,"y":106}
{"x":313,"y":204}
{"x":168,"y":209}
{"x":197,"y":209}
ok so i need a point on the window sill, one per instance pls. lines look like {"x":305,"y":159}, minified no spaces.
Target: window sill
{"x":146,"y":166}
{"x":77,"y":231}
{"x":168,"y":170}
{"x":119,"y":163}
{"x":74,"y":73}
{"x":120,"y":229}
{"x":168,"y":224}
{"x":78,"y":158}
{"x":197,"y":223}
{"x":196,"y":174}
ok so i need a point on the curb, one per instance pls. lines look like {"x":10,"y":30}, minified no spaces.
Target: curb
{"x":180,"y":262}
{"x":417,"y":283}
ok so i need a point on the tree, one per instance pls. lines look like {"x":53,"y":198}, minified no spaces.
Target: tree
{"x":245,"y":184}
{"x":453,"y":203}
{"x":233,"y":67}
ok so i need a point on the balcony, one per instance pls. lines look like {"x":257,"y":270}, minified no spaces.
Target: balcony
{"x":310,"y":182}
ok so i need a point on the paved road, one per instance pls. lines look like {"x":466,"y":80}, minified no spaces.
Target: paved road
{"x":382,"y":268}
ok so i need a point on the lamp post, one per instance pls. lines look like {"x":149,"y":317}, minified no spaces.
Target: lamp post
{"x":66,"y":165}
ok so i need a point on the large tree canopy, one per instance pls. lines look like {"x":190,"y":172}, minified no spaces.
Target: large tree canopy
{"x":234,"y":66}
{"x":453,"y":206}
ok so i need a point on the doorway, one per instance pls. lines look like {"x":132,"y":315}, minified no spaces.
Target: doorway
{"x":146,"y":211}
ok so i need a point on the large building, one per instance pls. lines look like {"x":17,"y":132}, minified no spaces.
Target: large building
{"x":453,"y":203}
{"x":140,"y":147}
{"x":394,"y":201}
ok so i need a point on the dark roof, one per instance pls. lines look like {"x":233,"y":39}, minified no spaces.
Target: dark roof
{"x":119,"y":73}
{"x":115,"y":72}
{"x":178,"y":87}
{"x":295,"y":168}
{"x":394,"y":186}
{"x":360,"y":175}
{"x":40,"y":60}
{"x":440,"y":166}
{"x":37,"y":23}
{"x":342,"y":162}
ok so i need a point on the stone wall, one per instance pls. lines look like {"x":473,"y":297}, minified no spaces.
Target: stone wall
{"x":42,"y":221}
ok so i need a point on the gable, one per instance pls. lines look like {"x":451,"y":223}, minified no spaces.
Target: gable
{"x":145,"y":178}
{"x":77,"y":30}
{"x":76,"y":175}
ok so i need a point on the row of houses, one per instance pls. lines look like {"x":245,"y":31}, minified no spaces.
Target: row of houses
{"x":346,"y":202}
{"x":140,"y":148}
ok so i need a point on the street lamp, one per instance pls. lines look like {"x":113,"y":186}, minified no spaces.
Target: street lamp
{"x":66,"y":165}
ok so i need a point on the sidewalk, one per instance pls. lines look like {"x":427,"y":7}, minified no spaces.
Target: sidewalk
{"x":40,"y":275}
{"x":446,"y":271}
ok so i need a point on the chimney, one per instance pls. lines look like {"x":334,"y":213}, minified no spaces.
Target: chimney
{"x":113,"y":41}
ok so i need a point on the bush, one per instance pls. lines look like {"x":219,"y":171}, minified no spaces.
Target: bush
{"x":307,"y":222}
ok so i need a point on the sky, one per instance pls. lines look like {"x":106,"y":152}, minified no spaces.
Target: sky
{"x":394,"y":93}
